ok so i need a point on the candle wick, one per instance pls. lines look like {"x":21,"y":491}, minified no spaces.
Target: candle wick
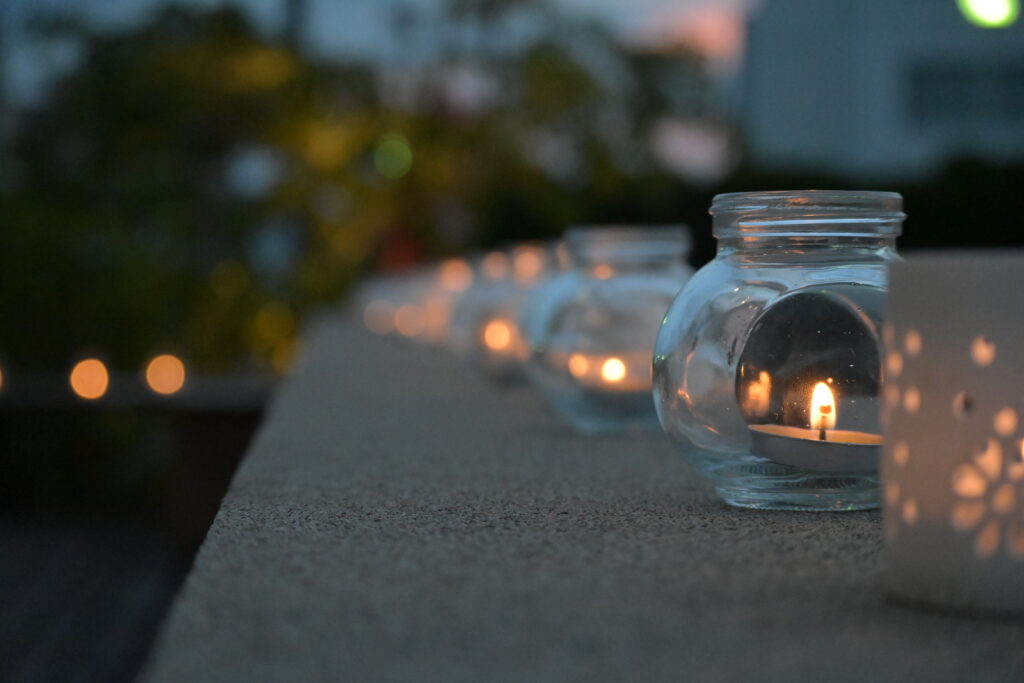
{"x":821,"y":434}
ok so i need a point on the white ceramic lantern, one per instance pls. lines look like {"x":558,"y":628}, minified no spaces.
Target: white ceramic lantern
{"x":953,"y":472}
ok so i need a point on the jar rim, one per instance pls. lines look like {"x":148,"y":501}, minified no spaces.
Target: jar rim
{"x":840,"y":212}
{"x":628,"y":242}
{"x":628,"y":233}
{"x":802,"y":200}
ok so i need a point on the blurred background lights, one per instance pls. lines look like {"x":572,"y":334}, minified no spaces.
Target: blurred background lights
{"x":393,"y":156}
{"x":990,"y":13}
{"x":528,"y":263}
{"x":409,"y":320}
{"x":578,"y":364}
{"x":379,"y":317}
{"x":165,"y":374}
{"x":456,"y":275}
{"x":89,"y":378}
{"x":495,"y":265}
{"x":497,"y":335}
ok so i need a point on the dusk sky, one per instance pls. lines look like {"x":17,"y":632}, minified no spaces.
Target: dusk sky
{"x":361,"y":27}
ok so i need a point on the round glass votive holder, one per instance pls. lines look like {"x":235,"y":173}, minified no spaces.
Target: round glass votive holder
{"x":767,"y":367}
{"x":592,"y":329}
{"x":953,"y":468}
{"x":484,"y":326}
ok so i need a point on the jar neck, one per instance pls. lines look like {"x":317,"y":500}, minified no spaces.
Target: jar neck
{"x":806,"y":245}
{"x":624,"y":248}
{"x":810,"y":222}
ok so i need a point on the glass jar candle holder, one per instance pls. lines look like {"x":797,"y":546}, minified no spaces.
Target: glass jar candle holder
{"x":485,"y":322}
{"x":768,"y":365}
{"x":592,"y":329}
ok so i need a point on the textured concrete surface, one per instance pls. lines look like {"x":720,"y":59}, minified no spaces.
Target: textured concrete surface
{"x":398,"y":519}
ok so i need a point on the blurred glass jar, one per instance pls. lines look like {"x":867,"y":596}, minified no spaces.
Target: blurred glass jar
{"x":592,"y":329}
{"x":769,"y":361}
{"x":485,"y":322}
{"x":439,"y":294}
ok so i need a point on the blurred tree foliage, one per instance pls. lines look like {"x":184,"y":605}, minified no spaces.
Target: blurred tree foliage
{"x":192,"y":186}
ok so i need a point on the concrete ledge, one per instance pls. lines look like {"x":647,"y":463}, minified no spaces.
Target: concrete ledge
{"x":397,"y":519}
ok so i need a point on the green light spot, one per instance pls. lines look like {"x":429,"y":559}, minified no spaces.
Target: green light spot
{"x":393,"y":156}
{"x":990,"y":13}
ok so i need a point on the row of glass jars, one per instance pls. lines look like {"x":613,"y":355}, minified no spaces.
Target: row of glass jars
{"x":766,"y":363}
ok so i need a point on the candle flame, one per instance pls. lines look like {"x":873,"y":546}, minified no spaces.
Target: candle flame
{"x":613,"y":370}
{"x":823,"y":407}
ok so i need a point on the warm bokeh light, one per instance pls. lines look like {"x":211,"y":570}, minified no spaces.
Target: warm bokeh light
{"x":613,"y":370}
{"x":912,"y":343}
{"x":983,"y":351}
{"x":603,"y":271}
{"x":330,"y":144}
{"x":498,"y":335}
{"x":1,"y":379}
{"x":379,"y":317}
{"x":759,"y":394}
{"x":528,"y":264}
{"x":456,"y":275}
{"x":990,"y":13}
{"x":409,"y":320}
{"x":495,"y":266}
{"x":823,"y":407}
{"x":165,"y":374}
{"x":578,"y":364}
{"x":1005,"y":422}
{"x":89,"y":378}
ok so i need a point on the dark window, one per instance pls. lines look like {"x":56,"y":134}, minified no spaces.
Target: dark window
{"x":949,"y":93}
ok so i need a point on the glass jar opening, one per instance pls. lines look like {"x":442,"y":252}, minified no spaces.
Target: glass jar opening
{"x":624,"y":244}
{"x":826,"y":213}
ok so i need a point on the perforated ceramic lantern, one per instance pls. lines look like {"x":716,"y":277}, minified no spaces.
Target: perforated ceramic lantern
{"x":767,"y":368}
{"x":953,"y":466}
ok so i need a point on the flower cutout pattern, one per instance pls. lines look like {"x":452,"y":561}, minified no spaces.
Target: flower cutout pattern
{"x":990,"y":501}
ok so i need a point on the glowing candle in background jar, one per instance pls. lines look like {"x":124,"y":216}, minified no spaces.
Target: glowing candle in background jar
{"x":485,"y":322}
{"x":592,"y":330}
{"x":451,"y":279}
{"x":618,"y":373}
{"x":501,"y":338}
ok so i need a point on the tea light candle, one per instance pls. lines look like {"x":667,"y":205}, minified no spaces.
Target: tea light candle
{"x":953,"y":467}
{"x":501,"y":339}
{"x":820,"y":447}
{"x":625,"y":372}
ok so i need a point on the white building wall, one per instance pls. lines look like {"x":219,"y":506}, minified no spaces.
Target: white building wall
{"x":830,"y":85}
